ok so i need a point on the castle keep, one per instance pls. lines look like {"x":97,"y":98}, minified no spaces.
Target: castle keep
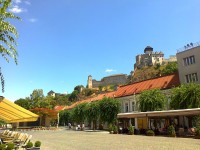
{"x":151,"y":58}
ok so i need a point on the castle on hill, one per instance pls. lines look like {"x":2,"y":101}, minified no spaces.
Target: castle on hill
{"x":117,"y":79}
{"x":151,"y":58}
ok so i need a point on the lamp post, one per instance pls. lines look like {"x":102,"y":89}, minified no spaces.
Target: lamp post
{"x":58,"y":117}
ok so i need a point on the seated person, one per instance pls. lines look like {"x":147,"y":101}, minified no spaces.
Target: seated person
{"x":78,"y":126}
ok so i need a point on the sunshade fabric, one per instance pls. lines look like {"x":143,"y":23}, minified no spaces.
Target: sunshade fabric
{"x":11,"y":112}
{"x":167,"y":113}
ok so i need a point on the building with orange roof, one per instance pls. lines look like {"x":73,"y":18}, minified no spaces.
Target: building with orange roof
{"x":129,"y":94}
{"x":96,"y":98}
{"x":88,"y":100}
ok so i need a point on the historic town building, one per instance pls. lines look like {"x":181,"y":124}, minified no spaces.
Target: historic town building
{"x":188,"y":63}
{"x":129,"y":97}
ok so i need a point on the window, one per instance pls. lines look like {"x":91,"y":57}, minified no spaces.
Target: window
{"x":126,"y":107}
{"x":191,"y":77}
{"x":192,"y":60}
{"x":189,"y":60}
{"x":133,"y":106}
{"x":185,"y":61}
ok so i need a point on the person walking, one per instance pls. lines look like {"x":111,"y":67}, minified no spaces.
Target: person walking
{"x":69,"y":125}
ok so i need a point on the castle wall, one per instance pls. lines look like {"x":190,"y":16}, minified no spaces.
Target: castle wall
{"x":172,"y":58}
{"x":122,"y":79}
{"x":96,"y":84}
{"x":111,"y":80}
{"x":157,"y":58}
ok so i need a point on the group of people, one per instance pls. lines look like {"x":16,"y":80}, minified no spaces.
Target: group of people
{"x":78,"y":127}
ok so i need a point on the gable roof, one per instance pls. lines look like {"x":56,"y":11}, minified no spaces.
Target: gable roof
{"x":164,"y":82}
{"x":98,"y":97}
{"x":50,"y":92}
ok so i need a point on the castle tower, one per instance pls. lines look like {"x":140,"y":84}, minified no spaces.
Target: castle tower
{"x":89,"y":82}
{"x":148,"y":50}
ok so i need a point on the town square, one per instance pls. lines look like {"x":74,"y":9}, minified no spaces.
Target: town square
{"x":99,"y":74}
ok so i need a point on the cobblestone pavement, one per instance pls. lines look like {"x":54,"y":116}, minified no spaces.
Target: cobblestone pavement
{"x":81,"y":140}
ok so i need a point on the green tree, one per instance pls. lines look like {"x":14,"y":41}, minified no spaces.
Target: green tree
{"x":62,"y":99}
{"x":65,"y":117}
{"x":8,"y":35}
{"x":185,"y":96}
{"x":109,"y":108}
{"x":74,"y":96}
{"x":79,"y":88}
{"x":79,"y":113}
{"x":47,"y":102}
{"x":92,"y":113}
{"x":87,"y":92}
{"x":37,"y":96}
{"x":152,"y":100}
{"x":100,"y":88}
{"x":25,"y":103}
{"x":157,"y":67}
{"x":170,"y":68}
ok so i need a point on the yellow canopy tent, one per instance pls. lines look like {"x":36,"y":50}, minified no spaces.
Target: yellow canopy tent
{"x":11,"y":112}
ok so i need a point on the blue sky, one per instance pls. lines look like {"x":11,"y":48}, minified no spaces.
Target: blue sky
{"x":62,"y":42}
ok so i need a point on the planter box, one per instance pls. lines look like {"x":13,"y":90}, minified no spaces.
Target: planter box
{"x":173,"y":135}
{"x":33,"y":148}
{"x":197,"y":137}
{"x":150,"y":134}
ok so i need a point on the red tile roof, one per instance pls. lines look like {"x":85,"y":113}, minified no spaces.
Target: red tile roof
{"x":99,"y":97}
{"x":58,"y":108}
{"x":164,"y":82}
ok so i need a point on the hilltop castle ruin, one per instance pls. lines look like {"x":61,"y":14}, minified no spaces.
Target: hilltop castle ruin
{"x":118,"y":79}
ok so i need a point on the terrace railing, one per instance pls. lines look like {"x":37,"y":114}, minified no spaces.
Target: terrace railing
{"x":188,"y":47}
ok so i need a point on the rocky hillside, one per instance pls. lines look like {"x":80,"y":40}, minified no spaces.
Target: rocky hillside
{"x":149,"y":72}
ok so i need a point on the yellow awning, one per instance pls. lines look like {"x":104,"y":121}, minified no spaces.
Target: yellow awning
{"x":11,"y":112}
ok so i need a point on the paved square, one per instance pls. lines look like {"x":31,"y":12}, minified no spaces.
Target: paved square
{"x":81,"y":140}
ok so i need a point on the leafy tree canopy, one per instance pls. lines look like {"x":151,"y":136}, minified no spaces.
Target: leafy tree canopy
{"x":170,"y":68}
{"x":74,"y":96}
{"x":151,"y":100}
{"x":25,"y":103}
{"x":109,"y":108}
{"x":37,"y":94}
{"x":65,"y":117}
{"x":186,"y":96}
{"x":92,"y":111}
{"x":38,"y":100}
{"x":79,"y":88}
{"x":62,"y":99}
{"x":79,"y":113}
{"x":88,"y":92}
{"x":8,"y":35}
